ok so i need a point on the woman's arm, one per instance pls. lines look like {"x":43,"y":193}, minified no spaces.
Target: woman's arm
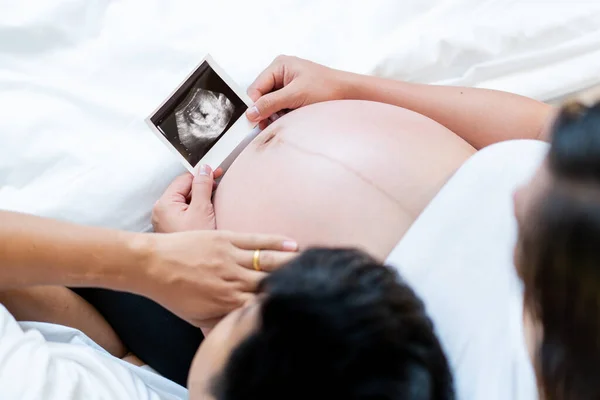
{"x":199,"y":276}
{"x":40,"y":251}
{"x":479,"y":116}
{"x":36,"y":252}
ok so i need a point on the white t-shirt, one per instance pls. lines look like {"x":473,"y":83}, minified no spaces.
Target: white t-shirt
{"x":458,"y":256}
{"x":54,"y":362}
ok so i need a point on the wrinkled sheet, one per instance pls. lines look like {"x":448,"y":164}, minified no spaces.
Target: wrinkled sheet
{"x":77,"y":77}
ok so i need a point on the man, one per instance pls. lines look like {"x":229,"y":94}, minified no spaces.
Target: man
{"x":199,"y":276}
{"x":333,"y":323}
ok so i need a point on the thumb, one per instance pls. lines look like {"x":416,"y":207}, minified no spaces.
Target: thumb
{"x":271,"y":103}
{"x":202,"y":187}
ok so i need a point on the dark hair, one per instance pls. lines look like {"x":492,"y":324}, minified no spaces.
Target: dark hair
{"x":336,"y":324}
{"x":560,"y":259}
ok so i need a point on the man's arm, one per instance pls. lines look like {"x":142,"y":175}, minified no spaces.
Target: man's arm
{"x":59,"y":305}
{"x":479,"y":116}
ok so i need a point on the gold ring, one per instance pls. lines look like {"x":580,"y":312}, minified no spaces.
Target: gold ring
{"x":256,"y":260}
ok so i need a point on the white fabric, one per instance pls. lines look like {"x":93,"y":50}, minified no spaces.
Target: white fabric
{"x":543,"y":49}
{"x":77,"y":77}
{"x":458,"y":256}
{"x":52,"y":362}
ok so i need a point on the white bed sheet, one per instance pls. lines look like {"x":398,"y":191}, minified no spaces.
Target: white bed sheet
{"x":77,"y":77}
{"x":543,"y":49}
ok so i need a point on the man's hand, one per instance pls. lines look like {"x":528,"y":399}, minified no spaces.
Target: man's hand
{"x":290,"y":83}
{"x":202,"y":276}
{"x":186,"y":204}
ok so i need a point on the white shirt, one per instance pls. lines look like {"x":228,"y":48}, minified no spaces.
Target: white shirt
{"x":458,"y":256}
{"x":54,"y":362}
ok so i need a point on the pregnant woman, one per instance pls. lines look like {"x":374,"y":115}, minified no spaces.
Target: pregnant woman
{"x":372,"y":179}
{"x":338,"y":173}
{"x":366,"y":184}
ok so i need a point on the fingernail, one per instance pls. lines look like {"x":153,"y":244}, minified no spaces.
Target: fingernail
{"x":253,"y":113}
{"x":290,"y":245}
{"x":204,"y":170}
{"x":274,"y":117}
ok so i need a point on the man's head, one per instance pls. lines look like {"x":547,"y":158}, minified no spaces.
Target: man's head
{"x":331,"y":324}
{"x":558,"y":257}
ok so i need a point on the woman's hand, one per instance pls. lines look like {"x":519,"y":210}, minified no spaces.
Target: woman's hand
{"x":290,"y":83}
{"x":201,"y":276}
{"x":186,"y":204}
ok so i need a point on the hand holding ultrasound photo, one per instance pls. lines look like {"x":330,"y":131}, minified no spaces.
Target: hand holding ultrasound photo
{"x":203,"y":119}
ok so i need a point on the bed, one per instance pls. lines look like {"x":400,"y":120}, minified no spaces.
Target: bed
{"x":77,"y":77}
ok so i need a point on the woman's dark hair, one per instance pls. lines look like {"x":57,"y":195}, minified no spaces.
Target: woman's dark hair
{"x":336,"y":324}
{"x":560,"y":259}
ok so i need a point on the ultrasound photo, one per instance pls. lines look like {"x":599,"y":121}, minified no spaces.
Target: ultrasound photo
{"x":199,"y":113}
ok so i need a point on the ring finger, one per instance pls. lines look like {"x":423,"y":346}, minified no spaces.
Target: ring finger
{"x":268,"y":260}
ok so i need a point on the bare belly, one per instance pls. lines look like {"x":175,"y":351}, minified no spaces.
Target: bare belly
{"x":342,"y":173}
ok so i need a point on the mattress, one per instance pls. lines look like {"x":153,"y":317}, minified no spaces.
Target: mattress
{"x":78,"y":77}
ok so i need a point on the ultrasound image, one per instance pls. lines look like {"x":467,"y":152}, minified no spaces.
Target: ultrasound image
{"x":202,"y":117}
{"x":199,"y":113}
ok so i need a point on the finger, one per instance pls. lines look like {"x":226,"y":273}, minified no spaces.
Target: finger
{"x":179,"y":190}
{"x":217,"y":174}
{"x":251,"y":279}
{"x":202,"y":187}
{"x":253,"y":241}
{"x":268,"y":80}
{"x":268,"y":260}
{"x":262,"y":125}
{"x":273,"y":102}
{"x":242,"y":298}
{"x":275,"y":116}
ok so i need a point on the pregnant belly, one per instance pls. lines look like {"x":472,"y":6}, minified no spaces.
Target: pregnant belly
{"x":342,"y":173}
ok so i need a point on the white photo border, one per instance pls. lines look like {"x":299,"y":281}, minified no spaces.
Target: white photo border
{"x":226,"y":144}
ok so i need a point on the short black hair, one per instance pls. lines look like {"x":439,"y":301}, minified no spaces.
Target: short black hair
{"x":336,"y":324}
{"x":560,"y":259}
